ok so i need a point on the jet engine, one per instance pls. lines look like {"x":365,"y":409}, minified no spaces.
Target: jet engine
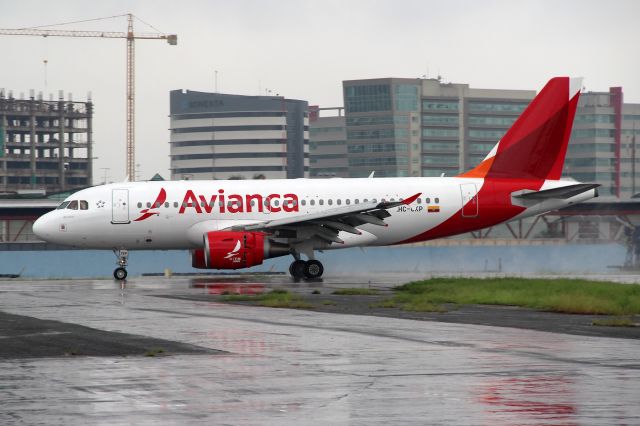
{"x":235,"y":250}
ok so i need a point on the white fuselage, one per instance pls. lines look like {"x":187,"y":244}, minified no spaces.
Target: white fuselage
{"x":123,"y":215}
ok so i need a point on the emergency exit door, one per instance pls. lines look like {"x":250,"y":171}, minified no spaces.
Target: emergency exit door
{"x":469,"y":193}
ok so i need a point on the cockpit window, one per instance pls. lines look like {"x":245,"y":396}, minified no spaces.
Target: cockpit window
{"x":84,"y":205}
{"x":73,"y":205}
{"x":63,"y":205}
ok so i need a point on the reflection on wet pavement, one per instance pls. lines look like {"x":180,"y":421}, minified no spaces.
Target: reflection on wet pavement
{"x":302,"y":367}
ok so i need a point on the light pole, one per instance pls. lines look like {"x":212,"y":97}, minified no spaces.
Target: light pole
{"x":105,"y":169}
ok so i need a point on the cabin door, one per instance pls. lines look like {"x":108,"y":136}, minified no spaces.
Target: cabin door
{"x":120,"y":206}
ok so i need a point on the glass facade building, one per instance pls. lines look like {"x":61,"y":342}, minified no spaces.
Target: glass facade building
{"x":423,"y":127}
{"x":383,"y":127}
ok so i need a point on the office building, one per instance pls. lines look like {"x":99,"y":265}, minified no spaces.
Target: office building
{"x":44,"y":145}
{"x":222,"y":136}
{"x":424,"y":127}
{"x":603,"y":143}
{"x":327,"y":143}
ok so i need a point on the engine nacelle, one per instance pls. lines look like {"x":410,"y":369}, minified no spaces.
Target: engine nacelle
{"x":235,"y":250}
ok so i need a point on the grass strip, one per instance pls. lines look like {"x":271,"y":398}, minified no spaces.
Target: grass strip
{"x":276,"y":298}
{"x":356,"y":292}
{"x":555,"y":295}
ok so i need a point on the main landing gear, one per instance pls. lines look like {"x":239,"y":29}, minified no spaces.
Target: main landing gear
{"x":120,"y":273}
{"x":310,"y":269}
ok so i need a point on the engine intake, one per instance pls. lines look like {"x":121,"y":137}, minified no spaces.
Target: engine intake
{"x":235,"y":250}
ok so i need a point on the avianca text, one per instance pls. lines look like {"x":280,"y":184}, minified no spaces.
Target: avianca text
{"x":235,"y":203}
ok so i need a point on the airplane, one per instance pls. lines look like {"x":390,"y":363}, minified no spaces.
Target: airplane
{"x":234,"y":224}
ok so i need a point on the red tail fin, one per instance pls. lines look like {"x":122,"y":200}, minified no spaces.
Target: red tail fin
{"x":535,"y":146}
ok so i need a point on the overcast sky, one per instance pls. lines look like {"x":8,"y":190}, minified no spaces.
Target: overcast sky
{"x":304,"y":49}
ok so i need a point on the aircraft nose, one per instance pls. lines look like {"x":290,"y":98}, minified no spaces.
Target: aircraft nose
{"x":42,"y":227}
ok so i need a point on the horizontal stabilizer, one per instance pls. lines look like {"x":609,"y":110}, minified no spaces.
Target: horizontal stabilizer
{"x":562,"y":193}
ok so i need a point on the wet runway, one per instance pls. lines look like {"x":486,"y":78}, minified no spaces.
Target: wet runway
{"x":245,"y":365}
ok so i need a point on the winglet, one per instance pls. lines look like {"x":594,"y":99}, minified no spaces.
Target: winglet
{"x":411,"y":199}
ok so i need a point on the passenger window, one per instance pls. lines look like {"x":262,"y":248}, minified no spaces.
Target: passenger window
{"x":437,"y":200}
{"x":63,"y":205}
{"x":84,"y":205}
{"x":303,"y":202}
{"x":348,"y":201}
{"x":330,"y":202}
{"x":175,"y":204}
{"x":148,"y":205}
{"x":338,"y":201}
{"x":73,"y":205}
{"x":166,"y":205}
{"x":365,"y":200}
{"x":276,"y":202}
{"x":357,"y":201}
{"x":321,"y":202}
{"x":139,"y":204}
{"x":428,"y":200}
{"x":374,"y":201}
{"x":312,"y":202}
{"x":392,"y":200}
{"x":419,"y":201}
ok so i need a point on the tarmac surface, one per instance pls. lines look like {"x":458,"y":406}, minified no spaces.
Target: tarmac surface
{"x":164,"y":351}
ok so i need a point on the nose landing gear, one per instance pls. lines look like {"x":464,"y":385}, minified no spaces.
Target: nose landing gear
{"x":120,"y":273}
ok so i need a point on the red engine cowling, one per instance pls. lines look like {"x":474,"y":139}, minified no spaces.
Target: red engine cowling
{"x":197,"y":259}
{"x":229,"y":250}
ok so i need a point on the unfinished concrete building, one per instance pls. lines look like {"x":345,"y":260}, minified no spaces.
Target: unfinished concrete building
{"x":44,"y":145}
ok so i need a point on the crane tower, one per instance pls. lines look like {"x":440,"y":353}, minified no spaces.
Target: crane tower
{"x":130,"y":36}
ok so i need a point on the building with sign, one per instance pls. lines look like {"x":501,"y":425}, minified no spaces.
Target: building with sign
{"x":221,"y":136}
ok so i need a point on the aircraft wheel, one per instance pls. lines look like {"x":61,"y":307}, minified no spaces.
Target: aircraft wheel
{"x":120,"y":274}
{"x":297,"y":268}
{"x":313,"y":269}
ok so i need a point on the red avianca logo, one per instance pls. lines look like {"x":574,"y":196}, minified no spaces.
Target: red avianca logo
{"x":226,"y":203}
{"x":147,"y":213}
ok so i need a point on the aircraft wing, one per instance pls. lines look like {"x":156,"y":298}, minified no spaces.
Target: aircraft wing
{"x":563,"y":192}
{"x":328,"y":223}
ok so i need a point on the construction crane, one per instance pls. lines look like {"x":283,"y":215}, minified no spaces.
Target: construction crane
{"x":130,"y":36}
